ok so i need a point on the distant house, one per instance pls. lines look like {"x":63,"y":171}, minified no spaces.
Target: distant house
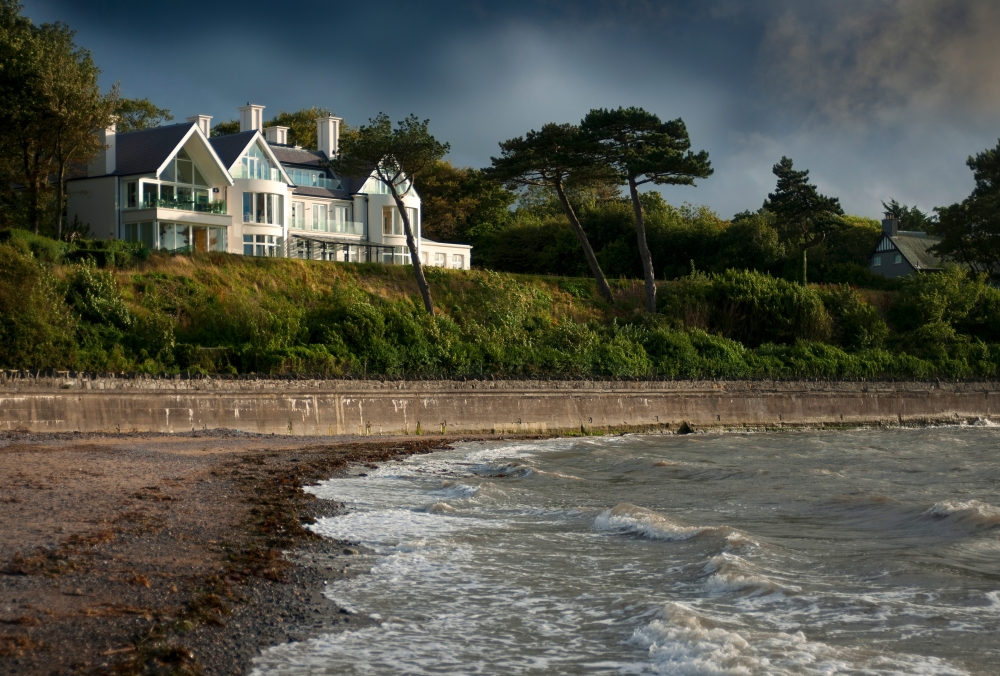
{"x":176,"y":188}
{"x":900,"y":253}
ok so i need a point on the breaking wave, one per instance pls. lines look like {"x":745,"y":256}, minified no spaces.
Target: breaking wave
{"x":973,"y":512}
{"x":628,"y":518}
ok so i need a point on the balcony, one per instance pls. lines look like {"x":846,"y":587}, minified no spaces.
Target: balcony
{"x":348,"y":227}
{"x":302,"y":179}
{"x":261,"y":173}
{"x":210,"y":207}
{"x":345,"y":227}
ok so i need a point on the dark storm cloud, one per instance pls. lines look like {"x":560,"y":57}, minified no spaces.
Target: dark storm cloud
{"x":880,"y":98}
{"x":856,"y":59}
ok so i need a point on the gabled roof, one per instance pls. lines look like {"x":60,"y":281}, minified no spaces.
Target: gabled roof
{"x":145,"y":151}
{"x":232,"y":146}
{"x":914,"y":245}
{"x":229,"y":148}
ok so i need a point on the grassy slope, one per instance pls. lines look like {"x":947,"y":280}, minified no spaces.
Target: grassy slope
{"x":220,"y":313}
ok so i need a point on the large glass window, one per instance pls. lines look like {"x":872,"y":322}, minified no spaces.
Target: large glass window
{"x":255,"y":163}
{"x":392,"y":224}
{"x":144,"y":233}
{"x":268,"y":246}
{"x":458,"y":261}
{"x":341,"y":219}
{"x":175,"y":237}
{"x":320,"y":221}
{"x":298,"y":215}
{"x":181,"y":186}
{"x":412,"y":215}
{"x":263,"y":207}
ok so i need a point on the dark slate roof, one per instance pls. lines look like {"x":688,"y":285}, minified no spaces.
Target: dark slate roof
{"x":313,"y":191}
{"x":287,"y":155}
{"x":355,"y":183}
{"x":914,"y":245}
{"x":143,"y":151}
{"x":229,"y":147}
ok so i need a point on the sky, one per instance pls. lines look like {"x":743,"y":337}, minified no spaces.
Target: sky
{"x":879,"y":99}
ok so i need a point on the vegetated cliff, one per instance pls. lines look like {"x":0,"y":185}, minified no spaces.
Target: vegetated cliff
{"x":218,"y":313}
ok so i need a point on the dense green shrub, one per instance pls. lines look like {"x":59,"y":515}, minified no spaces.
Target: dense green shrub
{"x":856,"y":324}
{"x":754,"y":308}
{"x":228,"y":314}
{"x":36,"y":325}
{"x":43,"y":249}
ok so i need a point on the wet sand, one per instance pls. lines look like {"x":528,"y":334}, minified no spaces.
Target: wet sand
{"x":179,"y":554}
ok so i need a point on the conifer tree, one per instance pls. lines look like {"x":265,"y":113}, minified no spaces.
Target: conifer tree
{"x":802,"y":215}
{"x":554,"y":157}
{"x":641,"y":149}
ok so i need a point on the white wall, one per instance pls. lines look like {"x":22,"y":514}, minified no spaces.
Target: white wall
{"x":429,"y":248}
{"x":234,"y":198}
{"x":95,"y":201}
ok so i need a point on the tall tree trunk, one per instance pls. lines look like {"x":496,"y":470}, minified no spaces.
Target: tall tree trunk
{"x":34,"y":209}
{"x":32,"y":186}
{"x":411,"y":243}
{"x":644,"y":255}
{"x":62,"y":196}
{"x":588,"y":251}
{"x":816,"y":241}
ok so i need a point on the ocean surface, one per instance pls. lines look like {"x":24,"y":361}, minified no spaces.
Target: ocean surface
{"x":846,"y":552}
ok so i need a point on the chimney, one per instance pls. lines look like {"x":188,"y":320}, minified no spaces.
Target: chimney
{"x":104,"y":162}
{"x":204,"y":123}
{"x":890,"y":225}
{"x":328,"y":135}
{"x":251,"y":117}
{"x":277,"y":135}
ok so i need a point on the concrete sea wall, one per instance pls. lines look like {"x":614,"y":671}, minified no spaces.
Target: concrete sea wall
{"x":69,"y":402}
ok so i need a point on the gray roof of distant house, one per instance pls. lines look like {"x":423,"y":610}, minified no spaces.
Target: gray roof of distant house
{"x":914,"y":245}
{"x":143,"y":151}
{"x":287,"y":155}
{"x":230,"y":146}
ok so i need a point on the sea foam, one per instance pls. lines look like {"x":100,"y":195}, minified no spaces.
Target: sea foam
{"x":681,"y":641}
{"x":628,"y":518}
{"x":972,"y":512}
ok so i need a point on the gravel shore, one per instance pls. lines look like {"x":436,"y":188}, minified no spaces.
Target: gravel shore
{"x":169,"y":554}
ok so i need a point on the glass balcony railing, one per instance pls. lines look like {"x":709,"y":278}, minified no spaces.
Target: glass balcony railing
{"x":348,"y":227}
{"x":311,"y":180}
{"x":261,"y":173}
{"x":211,"y":207}
{"x":345,"y":227}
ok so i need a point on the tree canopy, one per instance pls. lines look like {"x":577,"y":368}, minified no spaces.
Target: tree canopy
{"x":557,"y":156}
{"x":459,"y":204}
{"x":137,"y":114}
{"x":396,"y":156}
{"x":52,"y":103}
{"x":639,"y":148}
{"x":803,"y":216}
{"x":301,"y":125}
{"x":970,"y":229}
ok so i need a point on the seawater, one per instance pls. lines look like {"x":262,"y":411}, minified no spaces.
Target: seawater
{"x":848,"y":552}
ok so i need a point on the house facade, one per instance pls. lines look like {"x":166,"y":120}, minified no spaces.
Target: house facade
{"x":900,"y":253}
{"x":176,"y":188}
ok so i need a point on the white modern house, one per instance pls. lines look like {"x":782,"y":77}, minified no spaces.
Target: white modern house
{"x":176,"y":188}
